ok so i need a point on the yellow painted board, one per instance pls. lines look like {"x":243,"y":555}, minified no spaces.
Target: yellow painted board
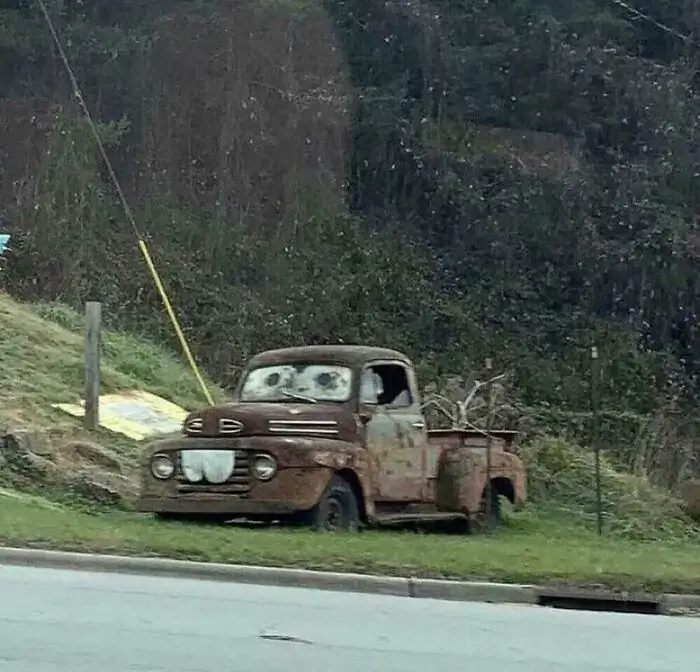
{"x":134,"y":413}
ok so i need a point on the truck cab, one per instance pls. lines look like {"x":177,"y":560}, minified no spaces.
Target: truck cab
{"x":329,"y":436}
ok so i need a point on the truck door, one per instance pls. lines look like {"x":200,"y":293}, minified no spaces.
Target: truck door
{"x":396,"y":433}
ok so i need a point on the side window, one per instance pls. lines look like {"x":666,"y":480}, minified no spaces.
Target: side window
{"x":386,"y":385}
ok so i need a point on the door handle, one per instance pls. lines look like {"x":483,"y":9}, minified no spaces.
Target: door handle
{"x":418,"y":425}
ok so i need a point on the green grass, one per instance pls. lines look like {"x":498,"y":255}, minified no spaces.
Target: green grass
{"x":542,"y":552}
{"x":651,"y":544}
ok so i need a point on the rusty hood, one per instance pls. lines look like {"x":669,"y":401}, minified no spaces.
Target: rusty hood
{"x":272,"y":419}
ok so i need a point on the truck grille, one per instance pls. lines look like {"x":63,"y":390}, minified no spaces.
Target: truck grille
{"x":237,"y":484}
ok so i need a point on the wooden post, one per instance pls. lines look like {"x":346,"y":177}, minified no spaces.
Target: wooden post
{"x":93,"y":319}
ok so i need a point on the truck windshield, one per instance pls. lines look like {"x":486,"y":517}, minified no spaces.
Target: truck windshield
{"x":311,"y":383}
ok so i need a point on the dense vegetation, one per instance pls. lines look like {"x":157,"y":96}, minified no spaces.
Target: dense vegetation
{"x":514,"y":179}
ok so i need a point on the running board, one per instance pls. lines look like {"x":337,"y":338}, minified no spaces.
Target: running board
{"x":398,"y":518}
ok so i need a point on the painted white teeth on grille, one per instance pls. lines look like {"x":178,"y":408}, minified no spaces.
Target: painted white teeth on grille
{"x":215,"y":465}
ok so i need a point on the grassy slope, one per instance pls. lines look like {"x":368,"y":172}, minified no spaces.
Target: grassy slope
{"x":41,"y":353}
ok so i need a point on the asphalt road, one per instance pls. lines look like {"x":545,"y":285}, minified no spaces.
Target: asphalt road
{"x":63,"y":621}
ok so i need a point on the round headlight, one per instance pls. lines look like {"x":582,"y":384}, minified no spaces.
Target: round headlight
{"x":162,"y":466}
{"x":264,"y":467}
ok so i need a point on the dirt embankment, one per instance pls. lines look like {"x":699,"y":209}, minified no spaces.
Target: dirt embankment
{"x":35,"y":461}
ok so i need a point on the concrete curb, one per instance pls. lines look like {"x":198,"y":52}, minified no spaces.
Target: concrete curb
{"x":473,"y":591}
{"x":269,"y":576}
{"x":674,"y":604}
{"x":463,"y":591}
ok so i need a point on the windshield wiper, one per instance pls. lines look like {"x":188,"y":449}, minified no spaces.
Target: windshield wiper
{"x":297,"y":395}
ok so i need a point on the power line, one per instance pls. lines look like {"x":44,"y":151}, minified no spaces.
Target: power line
{"x":125,"y":204}
{"x":93,"y":127}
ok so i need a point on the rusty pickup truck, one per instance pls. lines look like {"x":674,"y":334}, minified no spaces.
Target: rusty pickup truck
{"x":332,"y":437}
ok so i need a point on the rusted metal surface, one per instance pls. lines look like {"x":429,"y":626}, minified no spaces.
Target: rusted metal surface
{"x":305,"y":465}
{"x":351,"y":355}
{"x":461,"y":473}
{"x":275,"y":419}
{"x":263,"y":458}
{"x":396,"y":451}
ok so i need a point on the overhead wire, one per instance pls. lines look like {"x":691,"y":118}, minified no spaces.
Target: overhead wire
{"x":127,"y":209}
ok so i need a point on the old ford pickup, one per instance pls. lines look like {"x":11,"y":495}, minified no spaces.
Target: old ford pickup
{"x":333,"y":437}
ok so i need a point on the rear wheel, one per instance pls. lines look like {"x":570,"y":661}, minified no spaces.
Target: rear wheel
{"x":337,"y":510}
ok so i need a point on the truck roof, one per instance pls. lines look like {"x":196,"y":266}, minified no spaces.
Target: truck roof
{"x":351,"y":355}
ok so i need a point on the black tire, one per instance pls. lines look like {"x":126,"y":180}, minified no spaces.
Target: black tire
{"x":337,"y":510}
{"x":489,"y":516}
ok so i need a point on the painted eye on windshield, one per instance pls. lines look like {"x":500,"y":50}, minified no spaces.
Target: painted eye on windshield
{"x":272,"y":379}
{"x":324,"y":379}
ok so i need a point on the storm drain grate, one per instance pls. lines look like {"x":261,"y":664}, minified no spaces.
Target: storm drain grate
{"x":600,"y":603}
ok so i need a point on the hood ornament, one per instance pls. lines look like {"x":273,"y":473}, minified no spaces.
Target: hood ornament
{"x":294,"y":411}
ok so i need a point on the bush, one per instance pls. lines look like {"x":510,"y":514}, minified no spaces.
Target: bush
{"x":561,"y":475}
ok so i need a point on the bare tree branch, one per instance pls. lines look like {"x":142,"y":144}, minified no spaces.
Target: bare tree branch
{"x":434,"y":402}
{"x":460,"y":417}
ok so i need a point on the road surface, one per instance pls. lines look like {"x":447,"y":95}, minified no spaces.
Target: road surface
{"x":64,"y":621}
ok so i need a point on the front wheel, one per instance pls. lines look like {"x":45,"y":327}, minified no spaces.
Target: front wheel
{"x":337,"y":510}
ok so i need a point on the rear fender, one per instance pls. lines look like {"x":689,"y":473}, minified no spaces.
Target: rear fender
{"x":462,"y":479}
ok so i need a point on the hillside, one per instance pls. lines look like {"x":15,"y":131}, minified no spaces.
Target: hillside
{"x":461,"y":181}
{"x":63,"y":496}
{"x":41,"y":349}
{"x":48,"y":452}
